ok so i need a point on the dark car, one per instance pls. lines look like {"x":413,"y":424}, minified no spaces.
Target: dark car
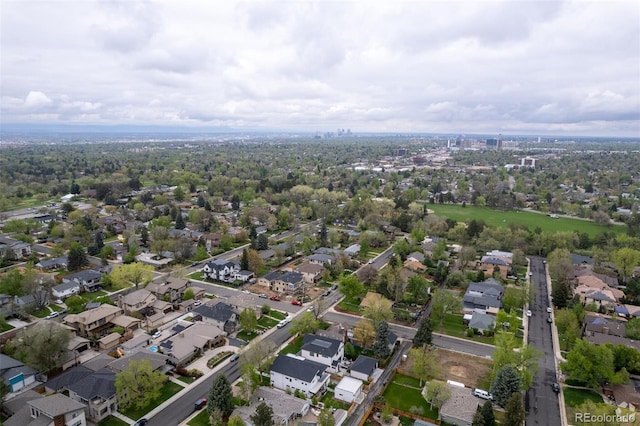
{"x":555,"y":387}
{"x":549,"y":320}
{"x":200,"y":404}
{"x":141,"y":422}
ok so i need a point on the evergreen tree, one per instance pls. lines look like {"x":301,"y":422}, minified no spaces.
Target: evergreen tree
{"x":263,"y":415}
{"x":423,"y":334}
{"x":76,"y":258}
{"x":507,"y":382}
{"x":380,"y":344}
{"x":560,"y":294}
{"x":484,"y":415}
{"x":244,"y":260}
{"x":144,"y":236}
{"x":201,"y":200}
{"x":323,"y":235}
{"x":180,"y":221}
{"x":514,"y":411}
{"x":220,"y":396}
{"x":263,"y":242}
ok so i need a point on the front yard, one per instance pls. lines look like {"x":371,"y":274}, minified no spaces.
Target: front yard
{"x":168,"y":390}
{"x":202,"y":419}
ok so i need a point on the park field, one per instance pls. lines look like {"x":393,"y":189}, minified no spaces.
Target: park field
{"x":530,"y":219}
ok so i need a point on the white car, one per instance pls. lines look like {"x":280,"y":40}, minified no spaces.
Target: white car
{"x":528,"y":313}
{"x":549,"y":309}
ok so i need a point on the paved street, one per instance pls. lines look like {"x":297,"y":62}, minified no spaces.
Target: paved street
{"x":540,"y":401}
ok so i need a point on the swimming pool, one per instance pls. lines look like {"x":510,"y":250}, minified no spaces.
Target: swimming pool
{"x":153,"y":348}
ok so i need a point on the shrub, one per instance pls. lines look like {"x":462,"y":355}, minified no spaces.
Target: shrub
{"x":469,"y":332}
{"x":266,"y":309}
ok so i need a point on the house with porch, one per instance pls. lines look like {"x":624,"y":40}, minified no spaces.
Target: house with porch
{"x":220,"y":270}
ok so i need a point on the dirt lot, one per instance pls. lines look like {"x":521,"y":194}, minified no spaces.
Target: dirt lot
{"x":312,"y":292}
{"x":471,"y":370}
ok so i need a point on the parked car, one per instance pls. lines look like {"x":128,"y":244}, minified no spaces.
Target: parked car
{"x":200,"y":404}
{"x":234,"y":358}
{"x":549,"y":309}
{"x":262,"y":296}
{"x":283,"y":322}
{"x":549,"y":320}
{"x":296,"y":302}
{"x":156,"y":335}
{"x":482,"y":394}
{"x":52,"y":315}
{"x":141,"y":422}
{"x":326,"y":293}
{"x":528,"y":313}
{"x":197,"y":303}
{"x":555,"y":387}
{"x":275,"y":298}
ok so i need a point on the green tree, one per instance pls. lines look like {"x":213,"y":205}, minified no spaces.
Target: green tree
{"x":381,"y":344}
{"x":507,"y":382}
{"x":76,"y":257}
{"x":248,"y":320}
{"x":220,"y":397}
{"x":178,"y":194}
{"x":568,"y":327}
{"x":436,"y":393}
{"x":514,"y":410}
{"x":180,"y":221}
{"x":43,"y":346}
{"x":244,"y":260}
{"x":627,"y":358}
{"x":560,"y":265}
{"x":592,"y":364}
{"x":75,"y":304}
{"x":444,"y":302}
{"x":188,"y":294}
{"x":305,"y":323}
{"x":258,"y":355}
{"x":132,"y":274}
{"x":326,"y":417}
{"x":256,"y":263}
{"x":425,"y":363}
{"x":626,"y":260}
{"x":236,"y":421}
{"x":351,"y":287}
{"x":364,"y":332}
{"x":378,"y":310}
{"x":484,"y":416}
{"x":418,"y":286}
{"x":138,"y":385}
{"x":560,"y":294}
{"x":423,"y":334}
{"x":524,"y":359}
{"x":263,"y":415}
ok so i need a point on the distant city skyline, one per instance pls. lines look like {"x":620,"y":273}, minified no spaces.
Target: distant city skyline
{"x":450,"y":67}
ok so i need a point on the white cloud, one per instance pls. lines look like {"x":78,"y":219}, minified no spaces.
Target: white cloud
{"x":492,"y":66}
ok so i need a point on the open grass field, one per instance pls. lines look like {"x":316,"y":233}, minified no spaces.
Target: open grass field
{"x":530,"y":219}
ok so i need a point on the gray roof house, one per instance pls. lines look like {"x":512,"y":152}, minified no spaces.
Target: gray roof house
{"x":55,"y":409}
{"x":291,"y":372}
{"x":483,"y":297}
{"x":15,"y":374}
{"x":460,"y":408}
{"x":64,"y":290}
{"x":55,"y":263}
{"x":286,"y":408}
{"x":219,"y":314}
{"x":321,"y":349}
{"x":88,"y":279}
{"x":481,"y":321}
{"x":321,"y":259}
{"x":363,"y":367}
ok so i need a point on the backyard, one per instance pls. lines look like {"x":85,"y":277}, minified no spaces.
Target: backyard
{"x":404,"y":393}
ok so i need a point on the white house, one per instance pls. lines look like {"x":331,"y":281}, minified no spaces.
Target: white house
{"x":221,"y":270}
{"x":291,"y":372}
{"x":64,"y":290}
{"x":324,"y":350}
{"x":55,"y":409}
{"x":348,"y":390}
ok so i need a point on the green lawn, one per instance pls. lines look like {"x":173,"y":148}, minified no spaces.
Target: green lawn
{"x":452,"y":325}
{"x":574,"y":397}
{"x":197,"y":275}
{"x":246,"y":336}
{"x":112,"y":421}
{"x":187,"y":380}
{"x":168,"y":390}
{"x":530,"y":219}
{"x":202,"y":419}
{"x":404,"y":398}
{"x":268,"y":322}
{"x":406,"y":380}
{"x":277,"y":315}
{"x":293,"y":347}
{"x":5,"y":327}
{"x":350,"y":305}
{"x":91,"y":296}
{"x":329,"y":401}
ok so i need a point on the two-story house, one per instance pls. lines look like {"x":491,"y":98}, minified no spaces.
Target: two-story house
{"x":137,"y":300}
{"x":220,"y":270}
{"x":170,"y":290}
{"x":15,"y":374}
{"x":311,"y":272}
{"x":64,"y":290}
{"x":52,"y":410}
{"x":291,"y":372}
{"x":94,"y":322}
{"x":484,"y":297}
{"x":89,"y":280}
{"x":219,"y":314}
{"x":321,"y":349}
{"x":288,"y":282}
{"x":16,"y":251}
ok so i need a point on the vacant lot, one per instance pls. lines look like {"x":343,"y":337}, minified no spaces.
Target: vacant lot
{"x":530,"y":219}
{"x":471,"y":370}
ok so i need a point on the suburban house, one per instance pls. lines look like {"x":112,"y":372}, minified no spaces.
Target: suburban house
{"x":52,"y":410}
{"x":483,"y":297}
{"x":322,"y":349}
{"x":488,"y":263}
{"x":416,"y":256}
{"x":50,"y":264}
{"x":321,"y":259}
{"x":127,"y":323}
{"x":88,"y":279}
{"x":219,"y":314}
{"x":311,"y":272}
{"x":212,"y":240}
{"x":94,"y":322}
{"x":170,"y":290}
{"x":593,"y":289}
{"x":192,"y":341}
{"x":15,"y":251}
{"x":348,"y":389}
{"x":283,"y":282}
{"x":602,"y":330}
{"x":480,"y":321}
{"x":414,"y":265}
{"x":137,"y":300}
{"x":353,"y":250}
{"x":291,"y":372}
{"x":15,"y":374}
{"x":243,"y":275}
{"x":40,"y":298}
{"x":220,"y":270}
{"x":110,"y":341}
{"x":159,"y":362}
{"x":363,"y":367}
{"x":94,"y":389}
{"x":286,"y":408}
{"x":460,"y":408}
{"x":64,"y":290}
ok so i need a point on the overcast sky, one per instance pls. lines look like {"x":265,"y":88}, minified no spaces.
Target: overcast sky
{"x":510,"y":67}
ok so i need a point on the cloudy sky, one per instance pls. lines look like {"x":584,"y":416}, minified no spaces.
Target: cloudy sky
{"x":481,"y":66}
